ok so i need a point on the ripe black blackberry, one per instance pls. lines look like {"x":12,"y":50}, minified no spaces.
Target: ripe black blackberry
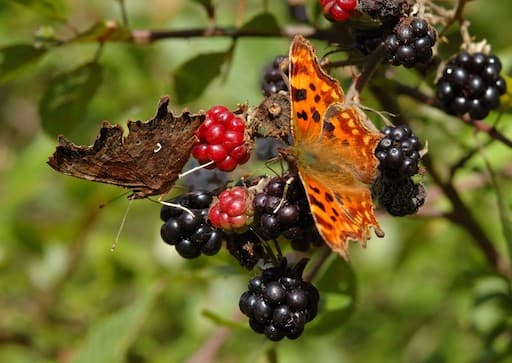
{"x":282,"y":209}
{"x":279,"y":303}
{"x":190,"y":234}
{"x":398,"y":152}
{"x":471,"y":83}
{"x":411,"y":42}
{"x":400,"y":196}
{"x":273,"y":81}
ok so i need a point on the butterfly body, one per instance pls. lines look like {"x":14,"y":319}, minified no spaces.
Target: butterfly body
{"x":333,"y":152}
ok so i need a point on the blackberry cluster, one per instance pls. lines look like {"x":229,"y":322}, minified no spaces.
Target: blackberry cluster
{"x":338,"y":10}
{"x":386,"y":13}
{"x":285,"y":212}
{"x":471,"y":83}
{"x":203,"y":178}
{"x":279,"y":303}
{"x":273,"y":81}
{"x":267,"y":147}
{"x":221,"y":140}
{"x":190,"y":234}
{"x":398,"y":151}
{"x":410,"y":43}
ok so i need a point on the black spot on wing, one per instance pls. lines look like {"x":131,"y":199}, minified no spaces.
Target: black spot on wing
{"x":312,"y":87}
{"x":302,"y":115}
{"x":317,"y":98}
{"x":299,"y":94}
{"x":318,"y":203}
{"x":329,"y":197}
{"x":315,"y":189}
{"x":316,"y":116}
{"x":328,"y":127}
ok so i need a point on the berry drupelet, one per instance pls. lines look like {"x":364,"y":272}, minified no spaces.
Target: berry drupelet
{"x":398,"y":151}
{"x":279,"y":303}
{"x":273,"y":81}
{"x":187,"y":229}
{"x":221,"y":140}
{"x":410,"y":43}
{"x":471,"y":83}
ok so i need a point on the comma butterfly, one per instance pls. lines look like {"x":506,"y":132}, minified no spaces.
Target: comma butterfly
{"x":147,"y":161}
{"x":333,"y":152}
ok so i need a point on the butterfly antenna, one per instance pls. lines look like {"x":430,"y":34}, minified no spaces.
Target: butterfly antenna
{"x":199,"y":167}
{"x":121,"y":227}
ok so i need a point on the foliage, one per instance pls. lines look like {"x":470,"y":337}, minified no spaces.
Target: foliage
{"x":437,"y":288}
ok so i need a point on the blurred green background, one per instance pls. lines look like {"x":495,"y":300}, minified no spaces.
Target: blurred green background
{"x":424,"y":293}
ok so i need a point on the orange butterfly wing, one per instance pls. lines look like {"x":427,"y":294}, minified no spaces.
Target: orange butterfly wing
{"x":312,"y":90}
{"x":334,"y":148}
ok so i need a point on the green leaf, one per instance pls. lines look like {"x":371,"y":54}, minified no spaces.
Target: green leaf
{"x":16,"y":58}
{"x":109,"y":339}
{"x":337,"y":286}
{"x":264,"y":23}
{"x":55,"y":9}
{"x":107,"y":30}
{"x":193,"y":76}
{"x":506,"y":99}
{"x":64,"y":103}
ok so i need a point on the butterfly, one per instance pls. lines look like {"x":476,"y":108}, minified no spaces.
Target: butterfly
{"x":333,"y":152}
{"x":147,"y":161}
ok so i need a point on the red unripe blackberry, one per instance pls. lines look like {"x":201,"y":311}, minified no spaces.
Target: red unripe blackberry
{"x":471,"y":83}
{"x":221,"y":140}
{"x":273,"y":81}
{"x":233,"y":211}
{"x":187,"y":229}
{"x":279,"y":303}
{"x":410,"y":43}
{"x":338,"y":10}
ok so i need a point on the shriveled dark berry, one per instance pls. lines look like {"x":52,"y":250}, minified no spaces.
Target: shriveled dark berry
{"x":273,"y":81}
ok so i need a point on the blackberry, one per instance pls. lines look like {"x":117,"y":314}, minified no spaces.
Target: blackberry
{"x":282,"y":209}
{"x":273,"y":81}
{"x":399,"y":196}
{"x":398,"y":151}
{"x":267,"y":147}
{"x":279,"y":303}
{"x":410,"y":43}
{"x":190,"y":233}
{"x":471,"y":83}
{"x":203,"y":178}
